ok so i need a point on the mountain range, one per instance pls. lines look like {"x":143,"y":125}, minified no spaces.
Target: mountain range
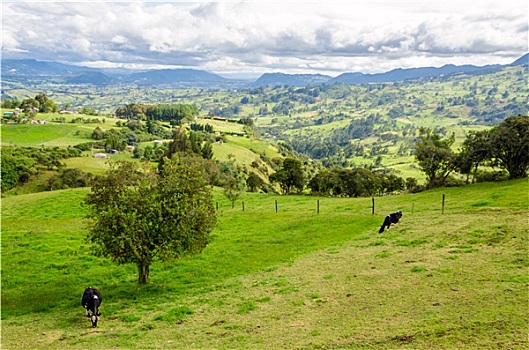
{"x":30,"y":69}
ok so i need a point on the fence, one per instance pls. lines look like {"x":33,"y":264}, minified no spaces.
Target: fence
{"x":317,"y":205}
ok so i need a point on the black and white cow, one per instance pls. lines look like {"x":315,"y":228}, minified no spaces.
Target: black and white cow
{"x":91,"y":302}
{"x":392,"y":218}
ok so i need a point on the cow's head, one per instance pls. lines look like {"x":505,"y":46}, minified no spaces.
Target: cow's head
{"x":95,"y":312}
{"x":94,"y":319}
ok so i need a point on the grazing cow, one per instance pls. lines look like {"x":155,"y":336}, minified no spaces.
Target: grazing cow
{"x":392,"y":218}
{"x":91,"y":302}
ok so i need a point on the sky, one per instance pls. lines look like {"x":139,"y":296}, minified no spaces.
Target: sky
{"x":233,"y":38}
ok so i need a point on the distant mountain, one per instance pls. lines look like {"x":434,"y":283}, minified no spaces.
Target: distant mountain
{"x":273,"y":79}
{"x":29,"y":69}
{"x":400,"y":74}
{"x":173,"y":76}
{"x":94,"y":78}
{"x":522,"y":61}
{"x":25,"y":70}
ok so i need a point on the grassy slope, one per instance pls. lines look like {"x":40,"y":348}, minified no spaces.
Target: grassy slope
{"x":46,"y":135}
{"x":292,"y":279}
{"x":52,"y":134}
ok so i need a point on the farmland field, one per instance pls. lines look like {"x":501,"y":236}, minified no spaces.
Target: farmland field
{"x":296,"y":278}
{"x":50,"y":135}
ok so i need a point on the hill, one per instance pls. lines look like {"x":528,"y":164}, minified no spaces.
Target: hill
{"x":291,"y":279}
{"x":273,"y":79}
{"x":95,"y":78}
{"x":29,"y":67}
{"x":400,"y":74}
{"x":173,"y":76}
{"x":522,"y":61}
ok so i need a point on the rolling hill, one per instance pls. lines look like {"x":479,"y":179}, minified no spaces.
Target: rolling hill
{"x":273,"y":79}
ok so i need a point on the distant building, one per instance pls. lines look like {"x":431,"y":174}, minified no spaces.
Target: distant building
{"x":129,"y":148}
{"x":100,"y":155}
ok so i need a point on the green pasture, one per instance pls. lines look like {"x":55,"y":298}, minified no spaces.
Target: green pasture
{"x":49,"y":135}
{"x":245,"y":150}
{"x":53,"y":134}
{"x":315,"y":274}
{"x":90,"y":164}
{"x":221,"y":125}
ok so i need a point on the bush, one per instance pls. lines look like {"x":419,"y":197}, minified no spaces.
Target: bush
{"x":492,"y":176}
{"x":68,"y":178}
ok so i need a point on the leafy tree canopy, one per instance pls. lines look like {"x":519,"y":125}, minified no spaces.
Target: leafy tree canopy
{"x":291,"y":175}
{"x":509,"y":145}
{"x":435,"y":157}
{"x":138,"y":215}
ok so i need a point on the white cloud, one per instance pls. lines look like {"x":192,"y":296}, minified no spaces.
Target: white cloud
{"x":328,"y":37}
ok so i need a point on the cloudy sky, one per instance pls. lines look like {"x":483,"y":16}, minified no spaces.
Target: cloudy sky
{"x":234,"y":37}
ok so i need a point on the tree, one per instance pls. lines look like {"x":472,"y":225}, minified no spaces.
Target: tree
{"x":435,"y":157}
{"x":231,"y":180}
{"x":137,"y":214}
{"x":254,"y":182}
{"x":411,"y":183}
{"x":207,"y":150}
{"x":46,"y":104}
{"x":509,"y":145}
{"x":10,"y":172}
{"x":291,"y":175}
{"x":473,"y":153}
{"x":326,"y":182}
{"x":30,"y":106}
{"x":358,"y":182}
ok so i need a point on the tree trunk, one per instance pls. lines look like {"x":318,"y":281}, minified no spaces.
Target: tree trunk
{"x":143,"y":274}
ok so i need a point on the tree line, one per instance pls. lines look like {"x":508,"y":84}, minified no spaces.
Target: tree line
{"x":505,"y":146}
{"x":173,"y":113}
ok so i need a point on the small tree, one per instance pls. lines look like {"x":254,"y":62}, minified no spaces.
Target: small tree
{"x":232,"y":189}
{"x":231,"y":179}
{"x":291,"y":175}
{"x":137,"y":215}
{"x":435,"y":157}
{"x":46,"y":104}
{"x":474,"y":152}
{"x":509,"y":145}
{"x":254,"y":182}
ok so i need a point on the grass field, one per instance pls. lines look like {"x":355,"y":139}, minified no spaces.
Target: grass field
{"x":295,"y":279}
{"x":49,"y":135}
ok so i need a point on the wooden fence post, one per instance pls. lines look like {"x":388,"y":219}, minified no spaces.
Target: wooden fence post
{"x":373,"y":206}
{"x":242,"y":205}
{"x":318,"y":206}
{"x":276,"y":205}
{"x":443,"y":207}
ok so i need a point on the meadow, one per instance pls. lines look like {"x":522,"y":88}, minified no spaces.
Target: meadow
{"x":292,"y":279}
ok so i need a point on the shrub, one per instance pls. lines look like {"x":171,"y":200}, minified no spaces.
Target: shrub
{"x":492,"y":176}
